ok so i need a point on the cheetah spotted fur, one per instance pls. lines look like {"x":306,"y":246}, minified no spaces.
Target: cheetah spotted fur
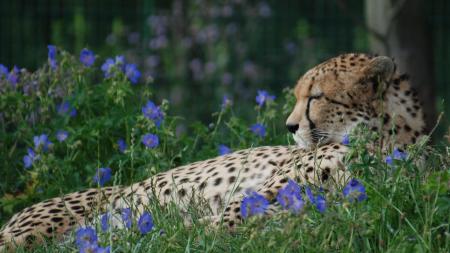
{"x":332,"y":98}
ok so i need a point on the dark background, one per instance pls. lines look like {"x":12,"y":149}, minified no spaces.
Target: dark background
{"x":204,"y":49}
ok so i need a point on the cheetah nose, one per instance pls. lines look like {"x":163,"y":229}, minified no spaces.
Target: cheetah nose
{"x":292,"y":128}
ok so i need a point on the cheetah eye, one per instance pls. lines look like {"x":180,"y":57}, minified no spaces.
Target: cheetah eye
{"x":316,"y":96}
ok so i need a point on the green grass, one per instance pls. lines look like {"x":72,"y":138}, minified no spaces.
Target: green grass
{"x":407,"y":209}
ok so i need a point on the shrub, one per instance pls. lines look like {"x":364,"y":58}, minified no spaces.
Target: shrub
{"x":74,"y":115}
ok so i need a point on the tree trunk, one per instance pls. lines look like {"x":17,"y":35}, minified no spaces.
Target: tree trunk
{"x":398,"y":28}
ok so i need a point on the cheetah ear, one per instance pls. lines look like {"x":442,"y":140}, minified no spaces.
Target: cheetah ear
{"x":379,"y":71}
{"x":380,"y":66}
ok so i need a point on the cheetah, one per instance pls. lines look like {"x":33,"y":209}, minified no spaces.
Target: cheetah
{"x":332,"y":99}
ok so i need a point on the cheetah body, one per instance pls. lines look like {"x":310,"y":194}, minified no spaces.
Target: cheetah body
{"x":332,"y":98}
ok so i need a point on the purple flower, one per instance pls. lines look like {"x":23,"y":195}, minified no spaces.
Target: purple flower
{"x":120,"y":60}
{"x":65,"y":108}
{"x":52,"y":56}
{"x":158,"y":42}
{"x":41,"y":141}
{"x":254,"y":204}
{"x":29,"y":159}
{"x":263,"y":96}
{"x":227,"y":78}
{"x":223,"y":149}
{"x":3,"y":71}
{"x":62,"y":135}
{"x":150,"y":140}
{"x":258,"y":129}
{"x":290,"y":47}
{"x":109,"y":64}
{"x":355,"y":190}
{"x":145,"y":223}
{"x":103,"y":250}
{"x":210,"y":67}
{"x":310,"y":195}
{"x":85,"y":237}
{"x":196,"y":67}
{"x":153,"y":112}
{"x":399,"y":155}
{"x":13,"y":76}
{"x":107,"y":67}
{"x":122,"y":145}
{"x":346,"y":140}
{"x":152,"y":61}
{"x":389,"y":160}
{"x":102,"y":176}
{"x":89,"y":248}
{"x":290,"y":197}
{"x":226,"y":102}
{"x":318,"y":201}
{"x":104,"y":222}
{"x":126,"y":217}
{"x":264,"y":10}
{"x":87,"y":57}
{"x":396,"y":155}
{"x":132,"y":73}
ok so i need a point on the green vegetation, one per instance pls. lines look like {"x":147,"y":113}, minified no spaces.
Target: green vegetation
{"x":407,"y":203}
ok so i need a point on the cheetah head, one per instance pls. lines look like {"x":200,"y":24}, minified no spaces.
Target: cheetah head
{"x":335,"y":96}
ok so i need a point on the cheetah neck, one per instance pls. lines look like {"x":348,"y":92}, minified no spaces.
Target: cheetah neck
{"x":403,"y":120}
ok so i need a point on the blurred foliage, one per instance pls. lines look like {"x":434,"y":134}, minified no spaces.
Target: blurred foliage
{"x":204,"y":48}
{"x":192,"y":49}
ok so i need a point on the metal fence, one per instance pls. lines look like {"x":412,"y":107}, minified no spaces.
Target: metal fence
{"x":324,"y":27}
